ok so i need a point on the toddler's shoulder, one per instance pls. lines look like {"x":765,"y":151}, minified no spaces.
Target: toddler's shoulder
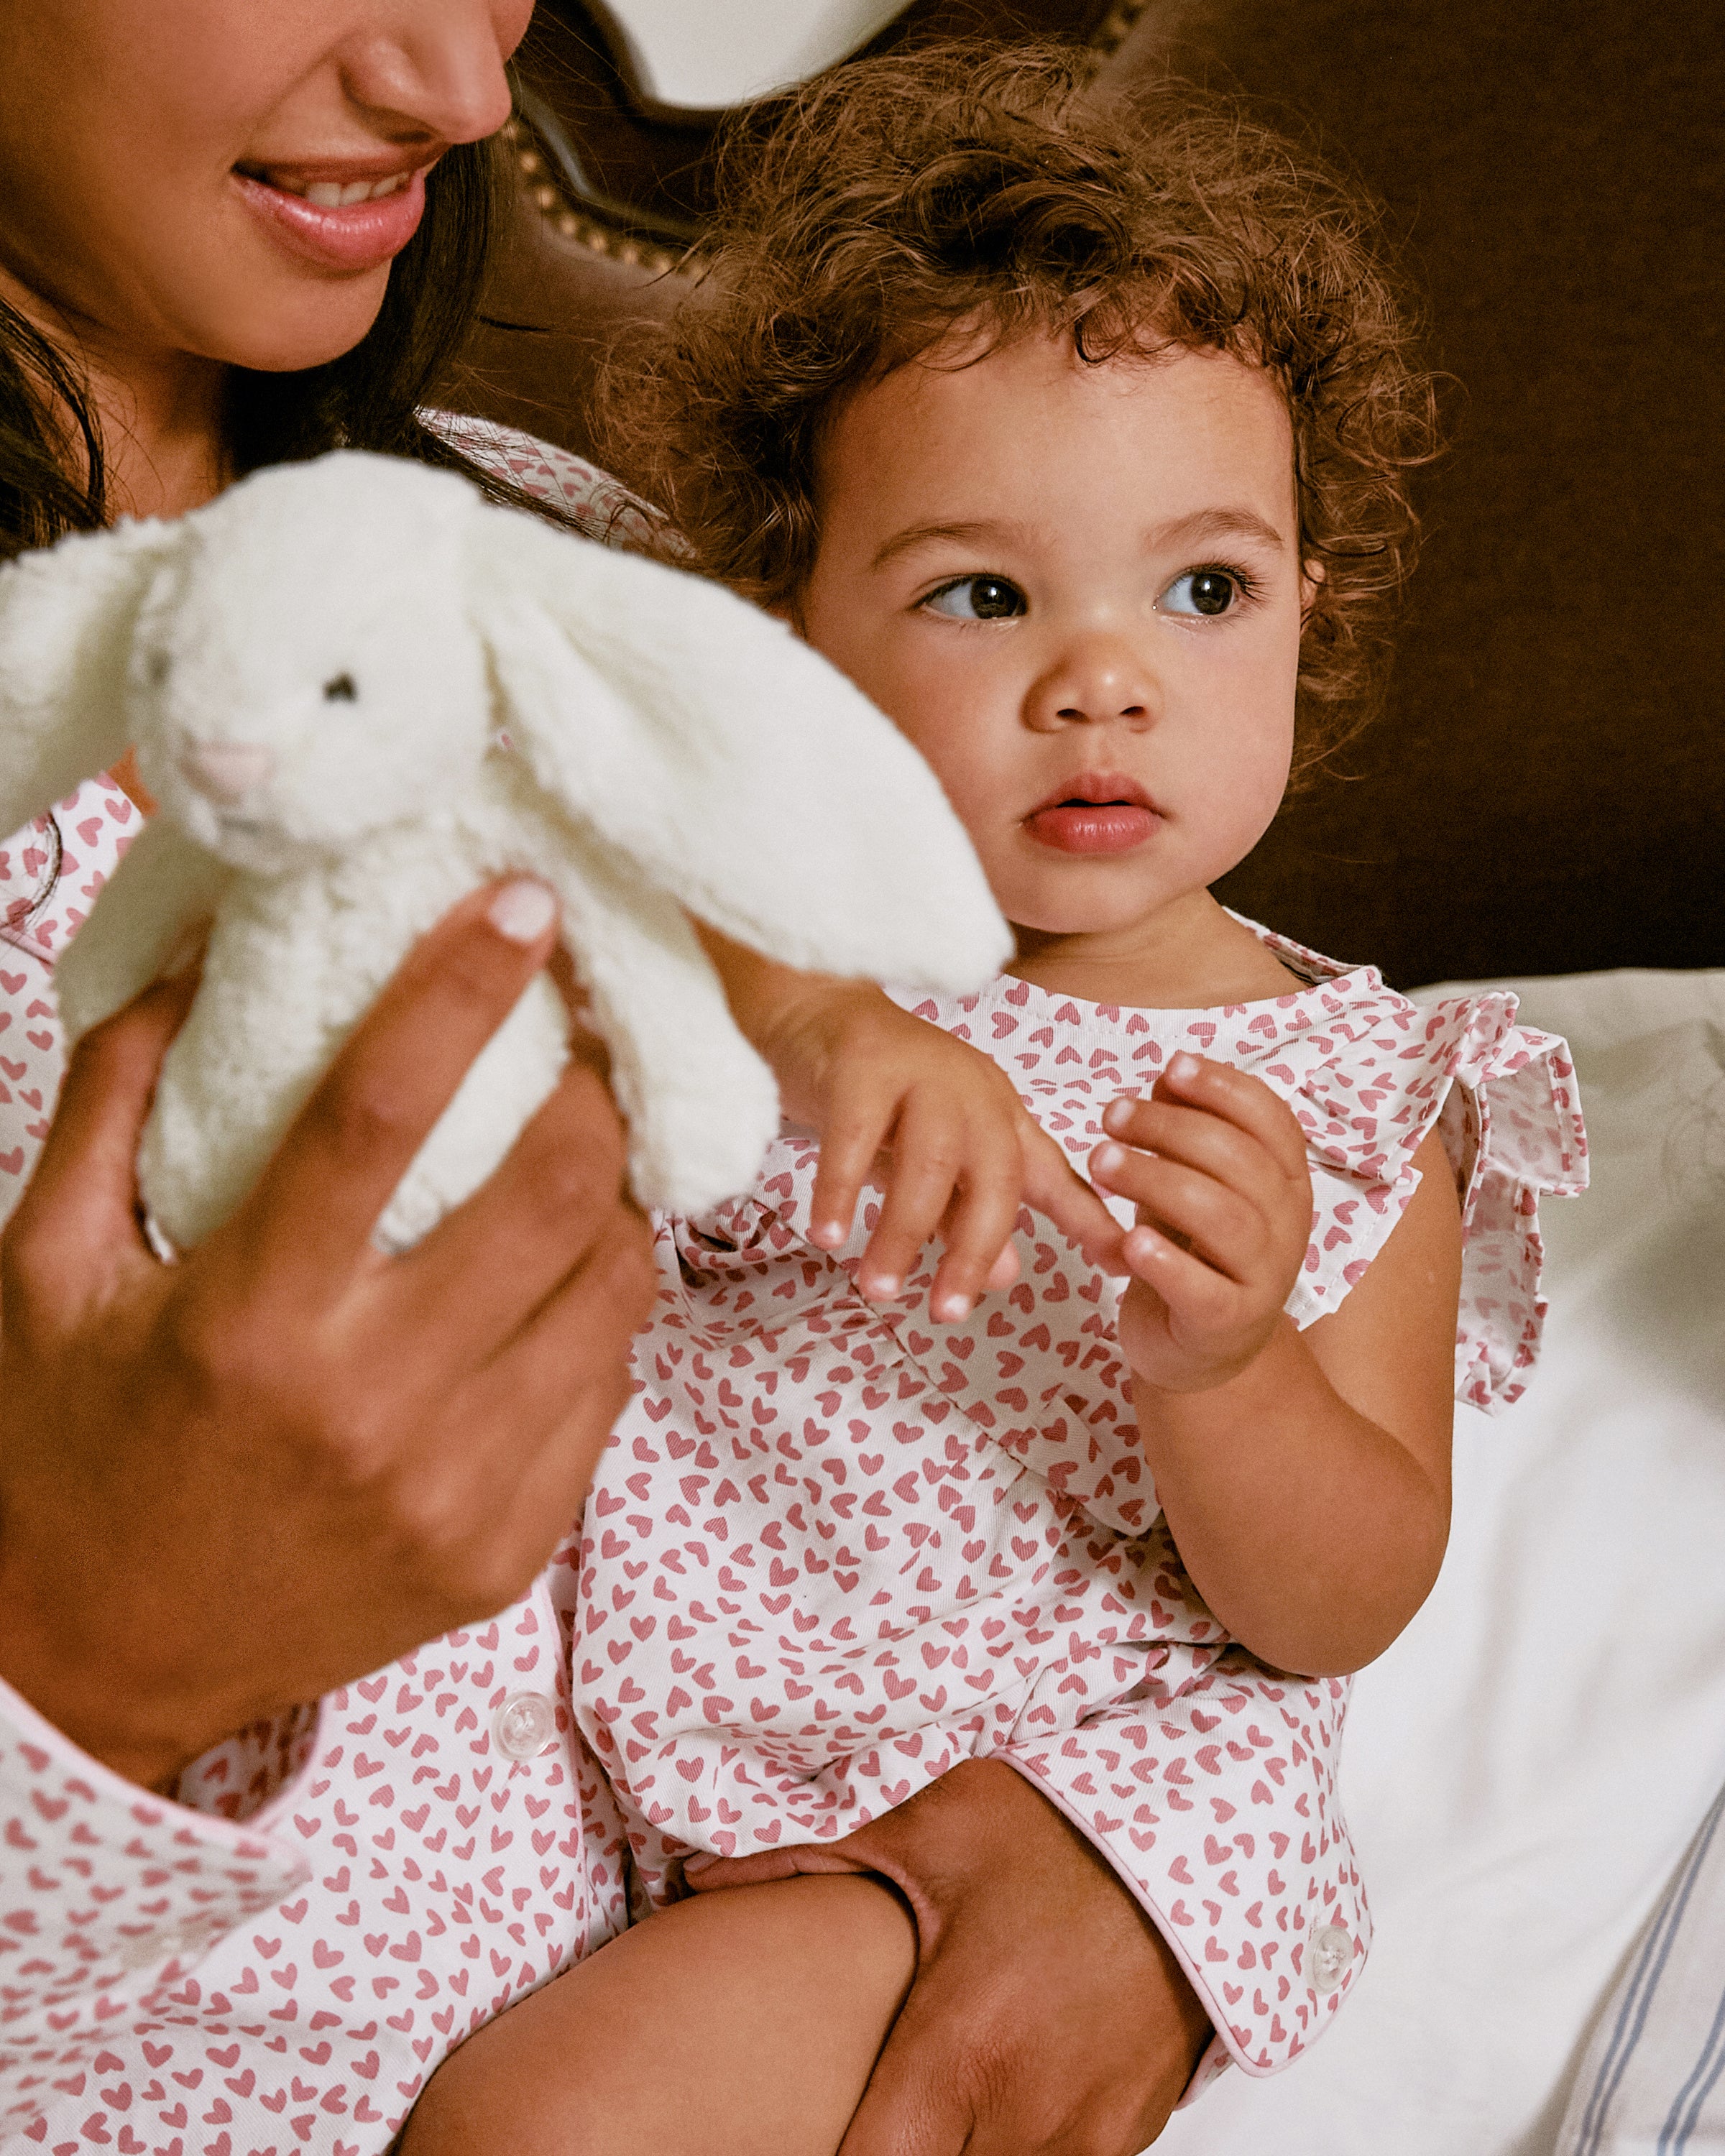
{"x":1371,"y":1074}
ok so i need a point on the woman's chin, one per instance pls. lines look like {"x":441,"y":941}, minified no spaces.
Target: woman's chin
{"x":288,"y":324}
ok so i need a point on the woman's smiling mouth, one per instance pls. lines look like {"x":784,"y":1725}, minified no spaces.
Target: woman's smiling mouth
{"x":1101,"y":813}
{"x":335,"y":218}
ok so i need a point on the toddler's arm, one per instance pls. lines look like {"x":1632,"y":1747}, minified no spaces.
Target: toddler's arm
{"x":1306,"y":1476}
{"x":957,"y":1152}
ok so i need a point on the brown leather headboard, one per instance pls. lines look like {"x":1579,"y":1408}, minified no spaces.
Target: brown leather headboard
{"x":1546,"y":790}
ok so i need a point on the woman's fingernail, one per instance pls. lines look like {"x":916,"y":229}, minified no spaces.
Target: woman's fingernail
{"x":1108,"y":1158}
{"x":951,"y":1308}
{"x":1183,"y":1068}
{"x":522,"y":911}
{"x":828,"y":1233}
{"x":882,"y":1284}
{"x":699,"y":1862}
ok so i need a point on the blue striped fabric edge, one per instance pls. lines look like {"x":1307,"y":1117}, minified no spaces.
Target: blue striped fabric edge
{"x":1638,"y":1996}
{"x":1684,"y":2113}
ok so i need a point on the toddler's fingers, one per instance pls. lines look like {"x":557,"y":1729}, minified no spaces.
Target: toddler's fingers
{"x":929,"y":1158}
{"x":979,"y":1227}
{"x":1198,"y":1299}
{"x":858,"y":1128}
{"x":1203,"y":1141}
{"x":1238,"y":1098}
{"x":1226,"y":1231}
{"x":1054,"y":1188}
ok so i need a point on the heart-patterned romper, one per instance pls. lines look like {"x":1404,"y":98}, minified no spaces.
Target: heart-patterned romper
{"x":834,"y":1549}
{"x":277,"y":1961}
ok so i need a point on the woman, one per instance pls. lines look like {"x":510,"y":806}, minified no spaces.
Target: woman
{"x":237,"y":1485}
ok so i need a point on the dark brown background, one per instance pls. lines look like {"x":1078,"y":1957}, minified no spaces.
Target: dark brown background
{"x":1545,"y":792}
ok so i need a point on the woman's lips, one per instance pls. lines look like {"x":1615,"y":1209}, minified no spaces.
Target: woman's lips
{"x":353,"y":236}
{"x":1103,"y":815}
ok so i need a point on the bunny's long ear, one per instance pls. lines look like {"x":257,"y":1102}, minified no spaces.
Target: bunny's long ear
{"x":66,"y":617}
{"x":738,"y":769}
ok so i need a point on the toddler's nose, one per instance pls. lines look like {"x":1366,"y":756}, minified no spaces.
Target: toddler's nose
{"x":227,"y":770}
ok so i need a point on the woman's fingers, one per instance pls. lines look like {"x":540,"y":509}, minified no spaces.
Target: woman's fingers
{"x":566,"y":1375}
{"x":317,"y":1202}
{"x":915,"y":2104}
{"x":490,"y":1265}
{"x":83,"y":1197}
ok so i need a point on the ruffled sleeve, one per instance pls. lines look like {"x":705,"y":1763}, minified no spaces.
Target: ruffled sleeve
{"x":1504,"y":1103}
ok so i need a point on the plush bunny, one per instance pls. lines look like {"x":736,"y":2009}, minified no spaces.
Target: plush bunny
{"x":357,"y":689}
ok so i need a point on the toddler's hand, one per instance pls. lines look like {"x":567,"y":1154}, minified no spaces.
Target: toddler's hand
{"x":938,"y":1125}
{"x":1215,"y":1164}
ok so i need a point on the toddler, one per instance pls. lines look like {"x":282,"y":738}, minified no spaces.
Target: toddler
{"x":1078,"y":439}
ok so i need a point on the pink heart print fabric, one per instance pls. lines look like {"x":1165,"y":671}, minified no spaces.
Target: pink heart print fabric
{"x":49,"y":876}
{"x":831,"y":1550}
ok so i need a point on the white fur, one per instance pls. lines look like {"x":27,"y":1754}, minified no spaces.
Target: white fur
{"x":523,"y":700}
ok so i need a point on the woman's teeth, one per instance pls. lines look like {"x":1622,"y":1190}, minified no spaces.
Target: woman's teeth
{"x":330,"y":194}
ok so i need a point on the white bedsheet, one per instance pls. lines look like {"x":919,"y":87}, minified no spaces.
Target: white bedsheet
{"x":1527,"y":1765}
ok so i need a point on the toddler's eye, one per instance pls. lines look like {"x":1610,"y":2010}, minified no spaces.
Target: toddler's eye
{"x":1202,"y":592}
{"x":340,"y":689}
{"x":977,"y":598}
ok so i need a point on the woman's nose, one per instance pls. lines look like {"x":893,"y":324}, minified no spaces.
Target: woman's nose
{"x":1101,"y":680}
{"x":437,"y":63}
{"x":226,"y":771}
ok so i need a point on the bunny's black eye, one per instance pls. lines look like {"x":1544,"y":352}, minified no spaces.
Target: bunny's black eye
{"x":156,"y":669}
{"x":340,"y":689}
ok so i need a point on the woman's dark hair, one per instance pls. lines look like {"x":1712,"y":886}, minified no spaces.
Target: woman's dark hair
{"x":52,"y":471}
{"x":865,"y":217}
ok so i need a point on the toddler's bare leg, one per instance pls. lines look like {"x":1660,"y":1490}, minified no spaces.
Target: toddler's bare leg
{"x":740,"y":2024}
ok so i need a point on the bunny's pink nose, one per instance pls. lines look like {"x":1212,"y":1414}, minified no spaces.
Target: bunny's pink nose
{"x":227,"y":770}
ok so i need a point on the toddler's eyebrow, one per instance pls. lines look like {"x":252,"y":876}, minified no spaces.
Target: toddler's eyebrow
{"x":1197,"y":528}
{"x":923,"y":535}
{"x":1206,"y":524}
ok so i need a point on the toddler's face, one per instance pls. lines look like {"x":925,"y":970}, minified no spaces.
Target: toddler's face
{"x":1077,"y":589}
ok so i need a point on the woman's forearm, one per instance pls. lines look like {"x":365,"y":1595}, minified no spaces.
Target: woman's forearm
{"x":1311,"y":1533}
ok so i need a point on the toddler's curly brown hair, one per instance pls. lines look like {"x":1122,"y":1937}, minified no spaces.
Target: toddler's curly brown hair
{"x":864,"y":218}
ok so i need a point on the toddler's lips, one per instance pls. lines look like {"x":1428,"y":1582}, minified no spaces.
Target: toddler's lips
{"x":1102,"y":813}
{"x":1092,"y":827}
{"x":351,"y":236}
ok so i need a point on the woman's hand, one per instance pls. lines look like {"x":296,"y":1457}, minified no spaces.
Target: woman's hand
{"x":1215,"y":1164}
{"x":1047,"y":2018}
{"x":230,"y":1484}
{"x":934,"y":1123}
